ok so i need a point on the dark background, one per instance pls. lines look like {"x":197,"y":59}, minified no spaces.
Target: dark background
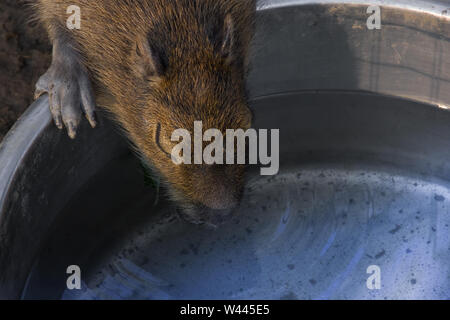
{"x":25,"y":54}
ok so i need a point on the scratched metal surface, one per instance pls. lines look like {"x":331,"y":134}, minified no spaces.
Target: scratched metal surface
{"x":301,"y":236}
{"x":350,"y":194}
{"x":364,"y":177}
{"x":428,"y":6}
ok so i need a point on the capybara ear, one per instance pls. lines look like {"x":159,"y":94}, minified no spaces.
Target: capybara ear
{"x":228,"y":39}
{"x":148,"y":62}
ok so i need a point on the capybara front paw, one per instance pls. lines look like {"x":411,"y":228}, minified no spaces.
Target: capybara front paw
{"x":70,"y":94}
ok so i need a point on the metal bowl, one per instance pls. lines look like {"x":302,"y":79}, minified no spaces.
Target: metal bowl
{"x":362,"y":198}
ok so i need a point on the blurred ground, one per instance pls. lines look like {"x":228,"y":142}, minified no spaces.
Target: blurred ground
{"x":25,"y":54}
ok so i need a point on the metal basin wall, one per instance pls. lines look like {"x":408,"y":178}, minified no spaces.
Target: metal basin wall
{"x":364,"y":177}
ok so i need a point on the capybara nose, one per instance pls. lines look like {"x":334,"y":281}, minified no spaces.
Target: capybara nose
{"x":215,"y":188}
{"x":220,"y":197}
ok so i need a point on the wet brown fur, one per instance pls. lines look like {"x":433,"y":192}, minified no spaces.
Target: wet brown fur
{"x":198,"y":82}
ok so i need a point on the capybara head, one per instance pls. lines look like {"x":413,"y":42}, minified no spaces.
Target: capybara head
{"x":193,"y":72}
